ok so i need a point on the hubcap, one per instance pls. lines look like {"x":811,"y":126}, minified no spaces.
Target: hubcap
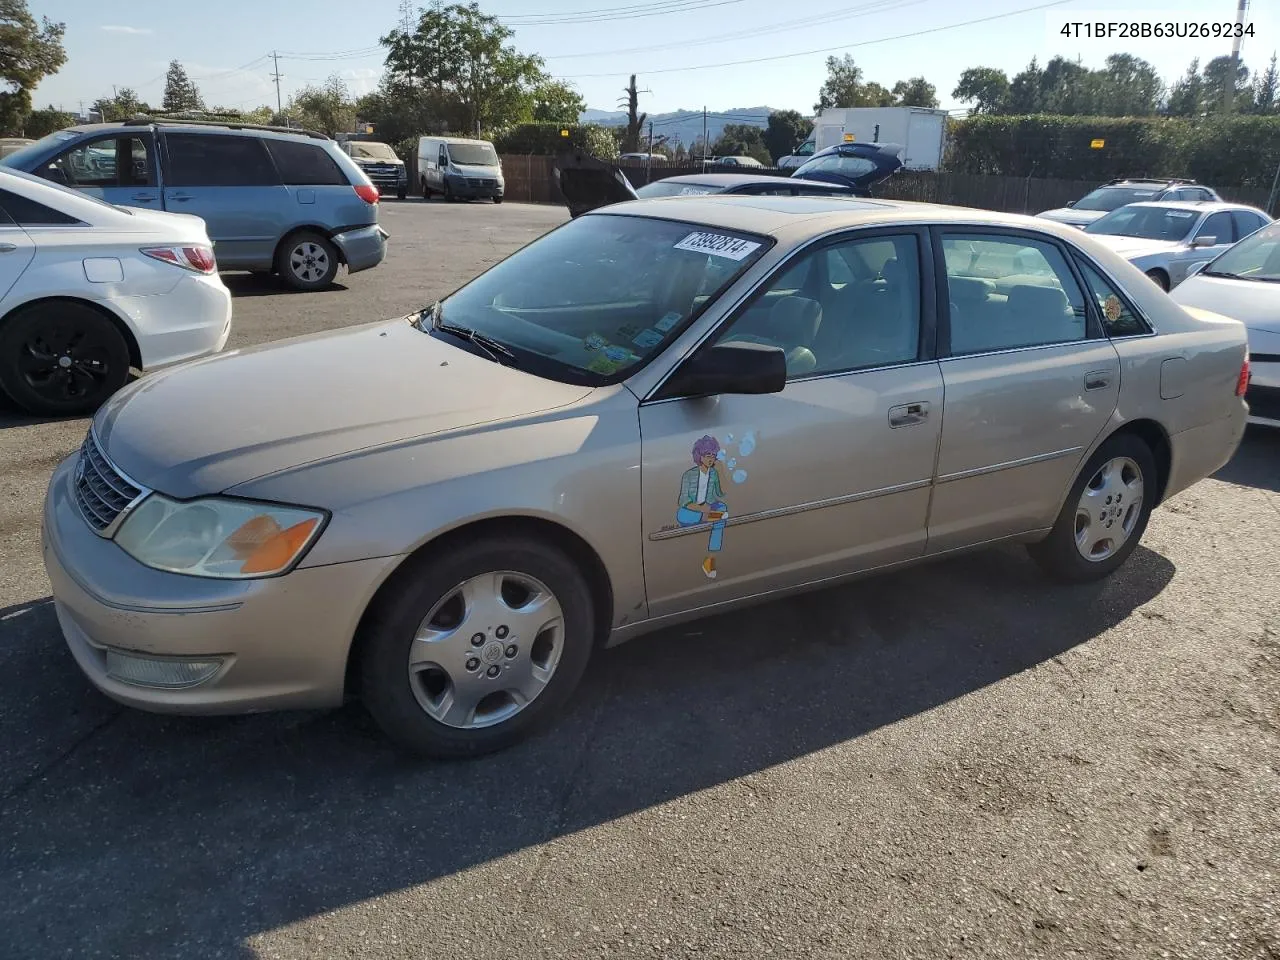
{"x":309,"y":262}
{"x":487,"y":650}
{"x":64,"y":361}
{"x":1109,"y":508}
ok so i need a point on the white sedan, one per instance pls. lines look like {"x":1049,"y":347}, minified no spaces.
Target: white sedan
{"x":89,"y":290}
{"x":1244,"y":284}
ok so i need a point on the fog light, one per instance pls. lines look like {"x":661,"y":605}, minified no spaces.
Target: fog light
{"x":157,"y":672}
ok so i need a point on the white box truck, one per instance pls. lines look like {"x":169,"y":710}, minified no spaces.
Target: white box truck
{"x":921,"y":131}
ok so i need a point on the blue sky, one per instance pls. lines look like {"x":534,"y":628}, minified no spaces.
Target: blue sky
{"x":677,"y":54}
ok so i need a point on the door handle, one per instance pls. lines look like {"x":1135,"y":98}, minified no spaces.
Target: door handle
{"x":144,"y":197}
{"x":1097,"y":380}
{"x":908,"y":414}
{"x":7,"y":247}
{"x":180,"y":197}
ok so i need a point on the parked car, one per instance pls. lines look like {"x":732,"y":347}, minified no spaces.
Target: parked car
{"x":588,"y":184}
{"x":858,"y":165}
{"x":280,"y":202}
{"x":657,"y":411}
{"x":1165,"y":239}
{"x":736,"y":162}
{"x":644,"y":157}
{"x":1114,"y":194}
{"x":89,"y":290}
{"x":459,"y":169}
{"x":1244,"y":283}
{"x":378,"y":160}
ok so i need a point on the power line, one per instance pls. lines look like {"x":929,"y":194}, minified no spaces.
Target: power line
{"x":616,"y":13}
{"x":843,"y":46}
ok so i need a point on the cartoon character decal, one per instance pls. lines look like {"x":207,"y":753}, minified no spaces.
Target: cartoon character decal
{"x":702,"y":498}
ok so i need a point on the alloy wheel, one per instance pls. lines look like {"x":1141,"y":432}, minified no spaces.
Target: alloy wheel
{"x":309,"y":261}
{"x":65,"y":360}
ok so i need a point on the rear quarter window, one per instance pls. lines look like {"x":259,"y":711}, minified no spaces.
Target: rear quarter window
{"x":305,"y":164}
{"x":28,"y":213}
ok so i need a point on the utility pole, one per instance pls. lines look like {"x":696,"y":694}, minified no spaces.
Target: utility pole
{"x":1229,"y":93}
{"x":648,"y":157}
{"x":704,"y":137}
{"x":276,"y":77}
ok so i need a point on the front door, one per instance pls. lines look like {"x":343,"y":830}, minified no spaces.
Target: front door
{"x":118,"y":168}
{"x":230,"y":182}
{"x":744,"y":495}
{"x":1030,"y":383}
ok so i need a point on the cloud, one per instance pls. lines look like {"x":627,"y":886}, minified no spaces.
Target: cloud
{"x":116,"y":28}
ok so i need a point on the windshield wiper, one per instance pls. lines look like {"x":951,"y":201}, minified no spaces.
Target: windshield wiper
{"x":494,"y":348}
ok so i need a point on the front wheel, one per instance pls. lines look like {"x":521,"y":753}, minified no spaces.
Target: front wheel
{"x":61,"y":359}
{"x":472,"y":648}
{"x":307,"y":261}
{"x":402,"y":192}
{"x":497,"y":199}
{"x":426,"y":191}
{"x":1105,"y":514}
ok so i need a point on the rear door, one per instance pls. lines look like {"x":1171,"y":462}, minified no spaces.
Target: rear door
{"x":1030,"y":382}
{"x":229,"y":181}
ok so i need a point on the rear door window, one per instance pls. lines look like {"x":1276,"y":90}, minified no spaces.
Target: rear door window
{"x":217,"y":160}
{"x":1246,"y":223}
{"x":305,"y":164}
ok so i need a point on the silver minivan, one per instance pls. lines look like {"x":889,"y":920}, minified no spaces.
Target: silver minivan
{"x":459,"y":169}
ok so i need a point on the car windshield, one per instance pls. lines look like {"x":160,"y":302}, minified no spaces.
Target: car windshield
{"x":596,"y":299}
{"x":372,"y":151}
{"x":665,"y":188}
{"x":20,"y":159}
{"x":1148,"y":223}
{"x":1112,"y":198}
{"x":477,"y":154}
{"x":1256,"y":257}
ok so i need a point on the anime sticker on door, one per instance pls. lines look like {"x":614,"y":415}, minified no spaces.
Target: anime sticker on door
{"x":702,"y":498}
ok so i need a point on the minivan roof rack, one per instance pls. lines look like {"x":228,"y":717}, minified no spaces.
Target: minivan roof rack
{"x":143,"y":120}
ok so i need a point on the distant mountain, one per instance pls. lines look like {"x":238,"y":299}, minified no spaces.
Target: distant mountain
{"x":684,"y":126}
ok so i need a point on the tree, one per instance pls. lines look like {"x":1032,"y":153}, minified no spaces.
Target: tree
{"x":1265,"y":90}
{"x":1129,"y":87}
{"x":555,"y":101}
{"x":843,"y":86}
{"x":987,"y":88}
{"x":786,"y":129}
{"x":462,"y":57}
{"x":741,"y":140}
{"x":1221,"y":90}
{"x":327,"y":108}
{"x":180,"y":93}
{"x":635,"y":119}
{"x":29,"y":52}
{"x":41,"y":123}
{"x":1026,"y":90}
{"x":1187,"y":95}
{"x":400,"y":109}
{"x":916,"y":92}
{"x":122,"y":106}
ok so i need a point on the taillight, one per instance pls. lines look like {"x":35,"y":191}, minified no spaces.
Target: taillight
{"x":367,"y":193}
{"x":1242,"y":385}
{"x":195,"y":259}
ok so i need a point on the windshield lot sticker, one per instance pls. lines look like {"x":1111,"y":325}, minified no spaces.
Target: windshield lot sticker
{"x":694,"y":191}
{"x":595,"y":342}
{"x":618,"y":354}
{"x":1179,"y":214}
{"x":647,"y":338}
{"x":1112,"y":308}
{"x":627,"y":332}
{"x":667,"y":321}
{"x":603,"y":366}
{"x":718,"y":245}
{"x":702,"y":491}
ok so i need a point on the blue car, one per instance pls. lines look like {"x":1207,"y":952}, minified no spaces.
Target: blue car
{"x":859,"y":166}
{"x":274,"y":200}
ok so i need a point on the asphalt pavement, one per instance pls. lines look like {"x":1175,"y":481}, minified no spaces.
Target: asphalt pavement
{"x":962,"y":760}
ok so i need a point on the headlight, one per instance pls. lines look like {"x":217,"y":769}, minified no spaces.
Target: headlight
{"x":216,"y":537}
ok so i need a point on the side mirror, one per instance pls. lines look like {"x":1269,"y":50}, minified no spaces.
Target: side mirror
{"x":1071,"y":203}
{"x":1204,"y":241}
{"x":729,"y":368}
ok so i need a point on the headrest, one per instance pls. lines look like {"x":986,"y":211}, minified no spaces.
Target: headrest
{"x":969,"y":289}
{"x":1038,"y":301}
{"x":796,"y":319}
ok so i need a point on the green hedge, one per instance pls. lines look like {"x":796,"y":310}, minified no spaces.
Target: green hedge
{"x":1239,"y":151}
{"x":545,"y":139}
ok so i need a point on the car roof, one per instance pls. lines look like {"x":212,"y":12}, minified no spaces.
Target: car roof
{"x":214,"y":128}
{"x":1203,"y":206}
{"x":739,"y":179}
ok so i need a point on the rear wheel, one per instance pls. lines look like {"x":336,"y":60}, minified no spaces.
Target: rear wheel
{"x":402,"y":192}
{"x":307,"y":261}
{"x":1105,"y":514}
{"x":469,"y":650}
{"x":426,"y":191}
{"x":1160,"y":279}
{"x":61,"y":358}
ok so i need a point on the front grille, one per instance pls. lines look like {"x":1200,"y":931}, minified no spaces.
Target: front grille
{"x":480,"y":182}
{"x":101,"y":492}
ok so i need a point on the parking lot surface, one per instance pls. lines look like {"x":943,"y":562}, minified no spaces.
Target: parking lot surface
{"x":958,"y":760}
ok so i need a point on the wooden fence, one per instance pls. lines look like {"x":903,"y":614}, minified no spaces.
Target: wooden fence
{"x":530,"y":180}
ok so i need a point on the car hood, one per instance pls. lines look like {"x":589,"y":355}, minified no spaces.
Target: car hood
{"x":477,"y":170}
{"x":1255,"y":303}
{"x":375,"y":162}
{"x":205,"y":426}
{"x":1132,"y":248}
{"x":586,"y":183}
{"x":1072,"y":216}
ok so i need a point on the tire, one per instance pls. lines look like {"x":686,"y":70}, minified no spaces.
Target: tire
{"x":402,"y":702}
{"x":426,"y":191}
{"x":1160,"y":279}
{"x":1059,"y":553}
{"x":448,"y":193}
{"x":61,"y":359}
{"x":497,"y":199}
{"x":307,"y":261}
{"x":402,"y":192}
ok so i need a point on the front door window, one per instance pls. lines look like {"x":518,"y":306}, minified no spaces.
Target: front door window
{"x":104,"y":163}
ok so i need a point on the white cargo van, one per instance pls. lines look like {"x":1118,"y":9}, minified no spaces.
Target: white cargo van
{"x":459,"y":169}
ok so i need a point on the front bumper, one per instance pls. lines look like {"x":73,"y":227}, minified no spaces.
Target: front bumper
{"x":282,"y":642}
{"x":363,"y":247}
{"x":477,"y":188}
{"x":1263,"y":395}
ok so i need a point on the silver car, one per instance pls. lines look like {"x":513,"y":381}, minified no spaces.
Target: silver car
{"x":658,"y":411}
{"x":1165,"y":240}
